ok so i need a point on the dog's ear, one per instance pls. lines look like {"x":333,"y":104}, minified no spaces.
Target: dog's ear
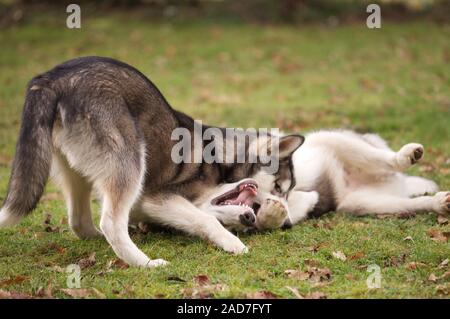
{"x":288,"y":144}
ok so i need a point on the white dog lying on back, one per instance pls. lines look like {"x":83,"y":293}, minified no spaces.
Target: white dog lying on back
{"x":354,"y":173}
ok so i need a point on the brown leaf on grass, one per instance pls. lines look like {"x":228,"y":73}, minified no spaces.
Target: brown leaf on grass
{"x":339,"y":255}
{"x":414,"y":265}
{"x":87,"y":262}
{"x":323,"y":225}
{"x":58,"y":269}
{"x":261,"y":295}
{"x":409,"y":238}
{"x":443,"y":264}
{"x":442,"y":220}
{"x":317,"y":247}
{"x":297,"y":274}
{"x":77,"y":292}
{"x":311,"y":262}
{"x":357,"y":255}
{"x":117,"y":263}
{"x":316,"y":295}
{"x":432,"y":278}
{"x":443,"y":289}
{"x":202,"y":292}
{"x":438,"y":236}
{"x":394,"y":261}
{"x":349,"y":276}
{"x":319,"y":274}
{"x":13,"y":281}
{"x":13,"y":295}
{"x":98,"y":293}
{"x":201,"y":280}
{"x":46,"y":293}
{"x":48,"y":224}
{"x":295,"y":292}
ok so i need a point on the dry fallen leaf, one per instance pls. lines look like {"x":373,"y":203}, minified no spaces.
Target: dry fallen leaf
{"x":117,"y":263}
{"x":432,"y":278}
{"x":317,"y":247}
{"x":311,"y":262}
{"x":13,"y":281}
{"x":76,"y":292}
{"x":408,"y":238}
{"x":202,"y":292}
{"x":414,"y":265}
{"x":297,"y":274}
{"x":261,"y":295}
{"x":45,"y":292}
{"x":13,"y":295}
{"x":442,"y":220}
{"x":443,"y":289}
{"x":202,"y":280}
{"x":444,"y":263}
{"x":295,"y":292}
{"x":87,"y":262}
{"x":316,"y":295}
{"x":319,"y":274}
{"x":438,"y":236}
{"x":358,"y":255}
{"x":339,"y":255}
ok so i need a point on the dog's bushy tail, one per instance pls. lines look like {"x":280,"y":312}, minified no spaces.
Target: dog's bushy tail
{"x":31,"y":165}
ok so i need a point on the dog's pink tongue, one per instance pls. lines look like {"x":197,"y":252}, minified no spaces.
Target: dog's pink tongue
{"x":246,"y":196}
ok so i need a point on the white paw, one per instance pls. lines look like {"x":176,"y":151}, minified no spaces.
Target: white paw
{"x":156,"y":263}
{"x":233,"y":245}
{"x":443,"y":203}
{"x":409,"y":155}
{"x":271,"y":215}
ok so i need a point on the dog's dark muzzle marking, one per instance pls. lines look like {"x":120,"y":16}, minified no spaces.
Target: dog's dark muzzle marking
{"x":247,"y":219}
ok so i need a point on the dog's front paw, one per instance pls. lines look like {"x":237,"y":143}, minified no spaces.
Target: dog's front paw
{"x":443,"y":203}
{"x":271,"y":215}
{"x":152,"y":263}
{"x":233,"y":245}
{"x":409,"y":155}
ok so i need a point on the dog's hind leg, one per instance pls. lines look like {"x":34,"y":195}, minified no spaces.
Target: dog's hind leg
{"x":76,"y":190}
{"x":372,"y":202}
{"x":120,"y":189}
{"x":416,"y":186}
{"x":358,"y":153}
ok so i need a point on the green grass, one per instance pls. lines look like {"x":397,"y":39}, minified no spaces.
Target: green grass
{"x":394,"y":81}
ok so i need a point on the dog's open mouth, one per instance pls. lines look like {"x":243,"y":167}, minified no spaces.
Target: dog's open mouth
{"x":243,"y":194}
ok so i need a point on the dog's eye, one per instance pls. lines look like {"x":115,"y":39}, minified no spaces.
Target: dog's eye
{"x":278,"y":188}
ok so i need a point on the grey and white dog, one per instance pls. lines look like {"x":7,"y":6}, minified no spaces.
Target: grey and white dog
{"x":99,"y":124}
{"x":359,"y":174}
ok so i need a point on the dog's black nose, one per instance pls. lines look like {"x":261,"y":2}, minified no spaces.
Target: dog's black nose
{"x":247,"y":219}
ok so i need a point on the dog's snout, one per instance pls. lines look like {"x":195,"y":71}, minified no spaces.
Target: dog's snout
{"x":247,"y":219}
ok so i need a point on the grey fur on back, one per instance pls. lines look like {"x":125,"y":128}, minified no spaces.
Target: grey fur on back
{"x":99,"y":108}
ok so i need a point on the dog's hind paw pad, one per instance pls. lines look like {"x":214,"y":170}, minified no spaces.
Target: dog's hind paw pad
{"x":409,"y":155}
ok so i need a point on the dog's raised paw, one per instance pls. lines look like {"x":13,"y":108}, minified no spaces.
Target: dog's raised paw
{"x":409,"y":155}
{"x":271,"y":215}
{"x":443,"y":202}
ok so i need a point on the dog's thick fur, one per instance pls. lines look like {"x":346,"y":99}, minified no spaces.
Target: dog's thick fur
{"x":99,"y":124}
{"x":354,"y":173}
